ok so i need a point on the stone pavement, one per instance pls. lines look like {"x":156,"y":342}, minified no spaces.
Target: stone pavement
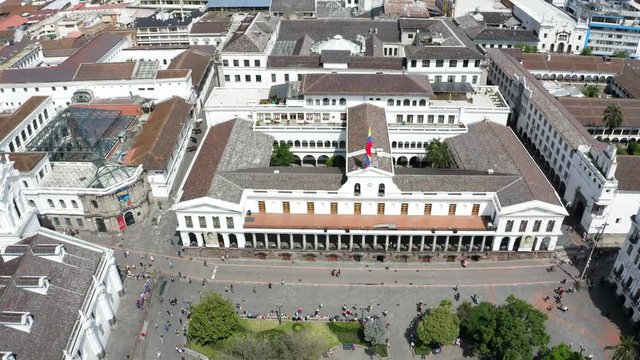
{"x":309,"y":284}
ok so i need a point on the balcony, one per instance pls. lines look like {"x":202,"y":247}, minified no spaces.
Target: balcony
{"x":367,"y":222}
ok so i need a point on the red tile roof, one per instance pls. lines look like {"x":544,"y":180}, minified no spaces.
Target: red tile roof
{"x":12,"y":21}
{"x":9,"y":123}
{"x":25,"y":161}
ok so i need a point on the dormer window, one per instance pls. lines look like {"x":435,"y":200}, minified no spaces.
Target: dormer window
{"x":36,"y":284}
{"x":356,"y":189}
{"x":4,"y":355}
{"x":17,"y":320}
{"x":381,"y":190}
{"x":53,"y":252}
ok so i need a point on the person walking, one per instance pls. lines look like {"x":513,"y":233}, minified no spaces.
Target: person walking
{"x":231,"y":287}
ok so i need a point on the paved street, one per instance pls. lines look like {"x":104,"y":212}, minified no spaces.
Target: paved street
{"x":396,"y":288}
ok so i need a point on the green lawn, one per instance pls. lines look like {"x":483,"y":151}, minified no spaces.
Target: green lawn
{"x":264,"y":327}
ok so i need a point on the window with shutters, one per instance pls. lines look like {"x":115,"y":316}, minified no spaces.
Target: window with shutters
{"x":286,"y":208}
{"x":452,"y":209}
{"x":262,"y":207}
{"x":334,"y":208}
{"x":427,"y":209}
{"x":404,"y":209}
{"x":357,"y":208}
{"x":380,"y":208}
{"x":475,"y":210}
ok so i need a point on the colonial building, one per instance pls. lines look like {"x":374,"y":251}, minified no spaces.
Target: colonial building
{"x":626,"y":270}
{"x":50,"y":312}
{"x":583,"y":169}
{"x":496,"y":30}
{"x":375,"y":205}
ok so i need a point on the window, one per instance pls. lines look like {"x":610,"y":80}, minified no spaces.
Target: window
{"x":509,"y":226}
{"x":536,"y":225}
{"x":230,"y":222}
{"x":273,"y":77}
{"x":453,"y":63}
{"x":381,"y":190}
{"x":94,"y":204}
{"x":56,"y":221}
{"x":357,"y":208}
{"x":225,"y":62}
{"x":451,"y":119}
{"x":523,"y":225}
{"x":629,"y":249}
{"x":439,"y":63}
{"x":380,"y":208}
{"x":63,"y":204}
{"x":550,"y":225}
{"x":452,"y":209}
{"x":286,"y":77}
{"x":216,"y":222}
{"x":80,"y":223}
{"x":465,"y":63}
{"x":202,"y":221}
{"x":334,"y":208}
{"x":438,"y":78}
{"x":477,"y":64}
{"x":426,"y":63}
{"x":427,"y":209}
{"x":246,"y":63}
{"x":474,"y":79}
{"x":286,"y":208}
{"x":227,"y":78}
{"x":310,"y":207}
{"x":188,"y":221}
{"x":262,"y":207}
{"x":247,"y":78}
{"x":475,"y":209}
{"x":50,"y":202}
{"x":399,"y":119}
{"x":236,"y":62}
{"x":440,"y":119}
{"x":236,"y":78}
{"x":414,"y":63}
{"x":356,"y":189}
{"x":463,"y":78}
{"x":451,"y":78}
{"x":74,"y":204}
{"x":25,"y":184}
{"x":404,"y":209}
{"x":256,"y":62}
{"x":67,"y":221}
{"x":258,"y":78}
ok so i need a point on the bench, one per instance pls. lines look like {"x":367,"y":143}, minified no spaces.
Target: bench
{"x":348,"y":346}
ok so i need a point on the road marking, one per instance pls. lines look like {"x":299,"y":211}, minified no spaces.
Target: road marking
{"x":369,"y":269}
{"x":370,"y":285}
{"x":215,"y":269}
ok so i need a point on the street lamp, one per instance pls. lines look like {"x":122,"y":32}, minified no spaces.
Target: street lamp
{"x":279,"y":313}
{"x":596,"y":239}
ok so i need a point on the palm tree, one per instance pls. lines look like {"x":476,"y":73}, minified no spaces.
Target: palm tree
{"x":625,"y":350}
{"x":613,"y":116}
{"x":438,"y":154}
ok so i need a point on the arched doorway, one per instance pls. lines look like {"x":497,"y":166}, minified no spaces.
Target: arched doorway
{"x":402,"y":161}
{"x":309,"y":161}
{"x":561,"y":47}
{"x":193,"y":239}
{"x":296,"y":160}
{"x":100,"y":225}
{"x":220,"y":240}
{"x":322,"y":160}
{"x":233,"y":241}
{"x":128,"y":218}
{"x":504,"y":243}
{"x":516,"y":243}
{"x":414,"y":162}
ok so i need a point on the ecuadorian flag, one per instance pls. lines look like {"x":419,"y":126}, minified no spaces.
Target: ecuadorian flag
{"x":368,"y":148}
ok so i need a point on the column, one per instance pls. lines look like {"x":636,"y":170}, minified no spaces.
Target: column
{"x":103,"y":302}
{"x":304,"y":241}
{"x":400,"y":243}
{"x":512,"y":241}
{"x":199,"y":239}
{"x":226,"y":241}
{"x":411,"y":243}
{"x":339,"y":242}
{"x":315,"y":242}
{"x":114,"y":279}
{"x":291,"y":241}
{"x":386,"y":243}
{"x":446,"y":244}
{"x":538,"y":241}
{"x":350,"y":242}
{"x":375,"y":242}
{"x":460,"y":242}
{"x":277,"y":241}
{"x":326,"y":242}
{"x":422,"y":242}
{"x":484,"y":238}
{"x":362,"y":241}
{"x":433,"y":243}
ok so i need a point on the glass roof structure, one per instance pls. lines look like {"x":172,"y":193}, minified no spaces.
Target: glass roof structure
{"x":86,"y":135}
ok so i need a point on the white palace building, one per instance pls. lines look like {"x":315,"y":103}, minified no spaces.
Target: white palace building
{"x":493,"y":201}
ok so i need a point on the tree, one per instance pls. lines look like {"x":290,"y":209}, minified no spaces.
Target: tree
{"x":561,"y":352}
{"x":438,"y":154}
{"x":613,"y":116}
{"x":250,"y":347}
{"x":633,"y":148}
{"x":527,"y":48}
{"x":509,"y":331}
{"x":439,"y":325}
{"x":302,"y":346}
{"x":625,"y":350}
{"x":590,"y":91}
{"x":586,"y":51}
{"x":212,"y":320}
{"x":281,"y":155}
{"x":375,"y":332}
{"x":621,"y":54}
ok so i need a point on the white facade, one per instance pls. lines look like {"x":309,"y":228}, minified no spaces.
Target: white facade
{"x":557,"y":31}
{"x":32,"y":123}
{"x":17,"y":218}
{"x":626,"y":270}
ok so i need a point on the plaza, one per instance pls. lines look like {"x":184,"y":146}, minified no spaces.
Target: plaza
{"x":395,"y":288}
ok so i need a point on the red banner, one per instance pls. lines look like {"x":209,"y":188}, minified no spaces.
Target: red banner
{"x":121,"y":223}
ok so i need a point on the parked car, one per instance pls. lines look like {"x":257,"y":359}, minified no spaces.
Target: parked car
{"x":192,"y":148}
{"x":196,"y":131}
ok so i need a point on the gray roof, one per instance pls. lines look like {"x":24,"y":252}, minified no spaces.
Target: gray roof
{"x":514,"y":35}
{"x":556,"y":114}
{"x":433,"y":180}
{"x":365,"y":84}
{"x":323,"y":29}
{"x":54,"y":313}
{"x":332,"y":9}
{"x":238,"y":4}
{"x":292,"y":6}
{"x":288,"y":178}
{"x":361,"y":120}
{"x":452,"y":87}
{"x":335,"y":56}
{"x":456,"y":45}
{"x":487,"y":146}
{"x":253,"y":34}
